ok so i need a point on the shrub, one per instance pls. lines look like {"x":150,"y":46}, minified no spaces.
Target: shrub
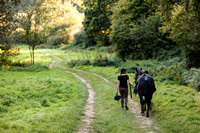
{"x":30,"y":68}
{"x":54,"y":40}
{"x":81,"y":41}
{"x":78,"y":62}
{"x":192,"y":78}
{"x":100,"y":60}
{"x":6,"y":53}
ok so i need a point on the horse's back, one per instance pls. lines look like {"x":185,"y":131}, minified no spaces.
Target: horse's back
{"x":147,"y":83}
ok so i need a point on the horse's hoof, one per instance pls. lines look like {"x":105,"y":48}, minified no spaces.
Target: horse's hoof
{"x":147,"y":116}
{"x":143,"y":114}
{"x":126,"y":107}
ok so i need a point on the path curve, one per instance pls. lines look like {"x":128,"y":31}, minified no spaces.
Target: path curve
{"x":51,"y":65}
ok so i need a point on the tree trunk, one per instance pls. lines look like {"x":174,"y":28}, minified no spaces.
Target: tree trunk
{"x":33,"y":48}
{"x":31,"y":54}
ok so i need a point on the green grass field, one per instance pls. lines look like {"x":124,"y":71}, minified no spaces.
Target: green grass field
{"x":38,"y":99}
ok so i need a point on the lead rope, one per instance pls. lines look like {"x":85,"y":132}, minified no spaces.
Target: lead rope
{"x":130,"y":91}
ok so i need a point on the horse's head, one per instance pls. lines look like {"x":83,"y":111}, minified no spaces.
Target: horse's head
{"x":139,"y":72}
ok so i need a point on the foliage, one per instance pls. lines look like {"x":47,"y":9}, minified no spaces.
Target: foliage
{"x":81,"y":40}
{"x":192,"y":78}
{"x":32,"y":21}
{"x":182,"y":19}
{"x":78,"y":62}
{"x":5,"y":54}
{"x":97,"y":23}
{"x":54,"y":40}
{"x":8,"y":11}
{"x":136,"y":34}
{"x":99,"y":60}
{"x":48,"y":22}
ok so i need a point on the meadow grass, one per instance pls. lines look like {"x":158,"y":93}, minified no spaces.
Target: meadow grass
{"x":34,"y":98}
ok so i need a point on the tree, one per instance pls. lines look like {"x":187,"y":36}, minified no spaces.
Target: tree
{"x":97,"y":23}
{"x":182,"y":23}
{"x":136,"y":33}
{"x":8,"y":11}
{"x":32,"y":21}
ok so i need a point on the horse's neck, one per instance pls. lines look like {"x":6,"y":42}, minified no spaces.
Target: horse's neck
{"x":140,"y":77}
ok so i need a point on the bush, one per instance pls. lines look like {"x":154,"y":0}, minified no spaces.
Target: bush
{"x":54,"y":40}
{"x":30,"y":68}
{"x":192,"y":78}
{"x":81,"y":41}
{"x":6,"y":53}
{"x":104,"y":61}
{"x":99,"y":60}
{"x":78,"y":62}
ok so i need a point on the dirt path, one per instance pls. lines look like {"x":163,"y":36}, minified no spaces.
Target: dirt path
{"x":143,"y":122}
{"x":89,"y":108}
{"x":51,"y":65}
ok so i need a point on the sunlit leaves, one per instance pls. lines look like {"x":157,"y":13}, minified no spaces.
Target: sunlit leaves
{"x":97,"y":20}
{"x":183,"y":28}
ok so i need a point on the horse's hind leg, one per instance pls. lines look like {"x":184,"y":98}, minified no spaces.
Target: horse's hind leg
{"x":148,"y":100}
{"x":148,"y":106}
{"x":142,"y":104}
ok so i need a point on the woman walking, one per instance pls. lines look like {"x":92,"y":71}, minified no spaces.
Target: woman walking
{"x":122,"y":86}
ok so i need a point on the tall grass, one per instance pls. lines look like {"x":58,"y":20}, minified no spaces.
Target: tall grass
{"x":37,"y":99}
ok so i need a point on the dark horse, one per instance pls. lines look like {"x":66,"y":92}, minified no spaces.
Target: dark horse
{"x":145,"y":86}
